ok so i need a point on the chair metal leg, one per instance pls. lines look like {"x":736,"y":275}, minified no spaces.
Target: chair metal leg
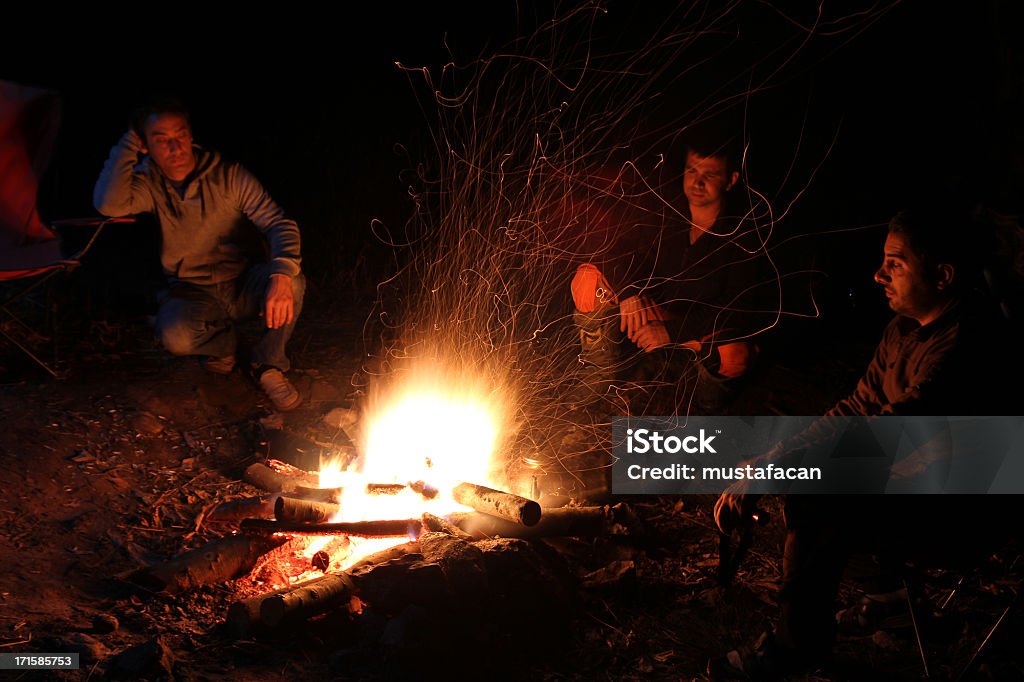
{"x":51,"y":366}
{"x":27,"y":351}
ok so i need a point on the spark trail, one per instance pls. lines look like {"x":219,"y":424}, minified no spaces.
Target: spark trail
{"x":543,"y":155}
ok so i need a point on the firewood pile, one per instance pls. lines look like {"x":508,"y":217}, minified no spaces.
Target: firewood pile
{"x":483,"y":576}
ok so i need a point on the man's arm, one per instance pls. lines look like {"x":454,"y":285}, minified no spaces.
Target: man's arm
{"x":283,"y":235}
{"x":119,"y":191}
{"x":866,"y":399}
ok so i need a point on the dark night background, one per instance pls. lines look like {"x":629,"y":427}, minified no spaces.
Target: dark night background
{"x":923,"y":102}
{"x":887,"y":104}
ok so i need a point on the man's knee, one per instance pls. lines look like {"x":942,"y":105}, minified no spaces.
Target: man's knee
{"x":736,"y":359}
{"x":179,"y":333}
{"x":590,"y":289}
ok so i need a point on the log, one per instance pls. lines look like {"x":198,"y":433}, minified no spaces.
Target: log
{"x":565,"y":521}
{"x":361,"y":529}
{"x":262,"y":476}
{"x":436,"y":524}
{"x":498,"y":503}
{"x":393,"y":585}
{"x":463,"y":565}
{"x":298,"y":510}
{"x":331,"y":495}
{"x":336,"y":549}
{"x":386,"y":555}
{"x":261,"y":507}
{"x":326,"y":593}
{"x":385,"y":488}
{"x":214,"y":562}
{"x":334,"y":494}
{"x":315,"y":597}
{"x":244,"y":616}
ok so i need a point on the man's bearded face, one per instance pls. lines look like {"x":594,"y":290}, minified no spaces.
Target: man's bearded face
{"x":906,"y":280}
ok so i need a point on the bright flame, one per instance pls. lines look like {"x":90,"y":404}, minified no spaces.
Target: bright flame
{"x":432,"y":437}
{"x":439,"y":428}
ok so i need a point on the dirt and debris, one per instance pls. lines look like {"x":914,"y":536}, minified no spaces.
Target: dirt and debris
{"x":116,"y":468}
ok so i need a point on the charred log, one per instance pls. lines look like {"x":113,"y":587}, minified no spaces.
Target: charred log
{"x":385,"y":488}
{"x":244,"y":616}
{"x":436,"y":524}
{"x":261,"y":507}
{"x":262,"y":476}
{"x":313,"y":598}
{"x":498,"y":503}
{"x":336,"y":549}
{"x":566,"y":521}
{"x":463,"y":566}
{"x":215,"y":562}
{"x":410,"y":579}
{"x":331,"y":495}
{"x":362,"y":529}
{"x":386,"y":555}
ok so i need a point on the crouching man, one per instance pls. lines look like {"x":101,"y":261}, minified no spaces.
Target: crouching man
{"x":204,"y":206}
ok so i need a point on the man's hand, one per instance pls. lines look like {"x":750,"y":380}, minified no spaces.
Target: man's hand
{"x":135,"y":141}
{"x":652,"y":336}
{"x":633,"y":312}
{"x":636,"y":312}
{"x":279,"y":308}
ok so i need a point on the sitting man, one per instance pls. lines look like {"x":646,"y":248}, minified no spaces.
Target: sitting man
{"x":928,"y":363}
{"x":205,"y":205}
{"x":692,"y":290}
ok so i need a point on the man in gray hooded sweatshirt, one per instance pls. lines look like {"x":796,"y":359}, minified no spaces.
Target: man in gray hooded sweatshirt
{"x":205,"y":205}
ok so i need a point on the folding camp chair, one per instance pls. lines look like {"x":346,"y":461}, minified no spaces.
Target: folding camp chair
{"x":30,"y":251}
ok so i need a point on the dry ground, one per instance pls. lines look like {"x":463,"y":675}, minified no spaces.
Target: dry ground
{"x":108,"y":470}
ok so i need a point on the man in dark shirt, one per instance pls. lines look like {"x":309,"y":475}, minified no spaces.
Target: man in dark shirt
{"x":928,"y":363}
{"x":691,"y":289}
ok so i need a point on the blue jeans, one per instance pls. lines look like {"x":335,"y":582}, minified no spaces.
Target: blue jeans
{"x":199,"y":319}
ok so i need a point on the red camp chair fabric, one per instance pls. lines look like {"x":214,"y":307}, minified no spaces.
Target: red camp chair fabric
{"x":30,"y":252}
{"x":29,"y":119}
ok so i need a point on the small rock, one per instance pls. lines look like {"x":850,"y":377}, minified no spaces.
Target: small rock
{"x":104,"y":623}
{"x":148,"y":659}
{"x":147,"y":424}
{"x":89,"y":648}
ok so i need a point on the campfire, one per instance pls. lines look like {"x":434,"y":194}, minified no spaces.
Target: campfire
{"x":419,"y":513}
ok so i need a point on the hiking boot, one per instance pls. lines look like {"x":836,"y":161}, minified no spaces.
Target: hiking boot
{"x":280,"y":391}
{"x":224,"y":365}
{"x":599,"y":353}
